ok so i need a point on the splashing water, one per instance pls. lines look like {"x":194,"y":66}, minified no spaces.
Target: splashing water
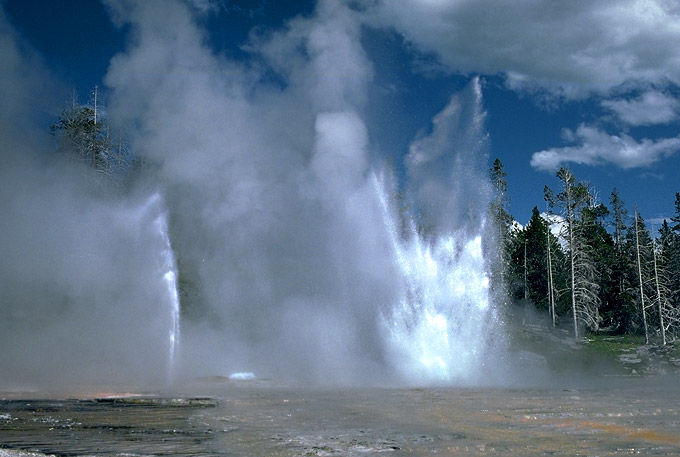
{"x":168,"y":270}
{"x":436,"y":330}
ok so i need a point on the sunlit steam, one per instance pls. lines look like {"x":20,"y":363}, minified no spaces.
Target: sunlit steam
{"x":436,"y":332}
{"x":296,"y":263}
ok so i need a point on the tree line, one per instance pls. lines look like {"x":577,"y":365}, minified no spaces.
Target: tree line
{"x":85,"y":134}
{"x":591,"y":267}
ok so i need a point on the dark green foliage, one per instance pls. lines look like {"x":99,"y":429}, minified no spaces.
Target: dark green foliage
{"x":502,"y":223}
{"x":603,"y":277}
{"x":575,"y":204}
{"x":84,"y":135}
{"x":620,"y":214}
{"x":676,"y":217}
{"x":500,"y":214}
{"x":83,"y":138}
{"x":617,"y":301}
{"x":605,"y":268}
{"x":639,"y":281}
{"x":672,"y":257}
{"x":669,"y":255}
{"x":529,"y":265}
{"x":669,"y":264}
{"x":601,"y":251}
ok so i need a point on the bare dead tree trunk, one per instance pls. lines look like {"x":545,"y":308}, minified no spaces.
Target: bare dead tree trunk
{"x":526,"y":273}
{"x":573,"y":200}
{"x":642,"y":290}
{"x":572,"y":255}
{"x":551,"y":296}
{"x":659,"y":300}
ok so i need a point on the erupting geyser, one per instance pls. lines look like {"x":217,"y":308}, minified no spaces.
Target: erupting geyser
{"x":168,"y":271}
{"x":436,"y":331}
{"x":297,"y":265}
{"x":331,"y":282}
{"x":440,"y":328}
{"x":168,"y":268}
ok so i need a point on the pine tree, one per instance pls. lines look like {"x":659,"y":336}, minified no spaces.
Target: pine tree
{"x":552,"y":295}
{"x":600,"y":246}
{"x":502,"y":220}
{"x":572,"y":201}
{"x":674,"y":254}
{"x":536,"y":273}
{"x":668,"y":316}
{"x":85,"y":135}
{"x":642,"y":254}
{"x":620,"y":214}
{"x":617,"y":301}
{"x":668,"y":264}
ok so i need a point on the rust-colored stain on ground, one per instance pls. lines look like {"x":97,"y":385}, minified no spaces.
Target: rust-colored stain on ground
{"x":627,"y":432}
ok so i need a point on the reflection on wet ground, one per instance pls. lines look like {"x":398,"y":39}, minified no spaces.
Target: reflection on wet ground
{"x":261,"y":419}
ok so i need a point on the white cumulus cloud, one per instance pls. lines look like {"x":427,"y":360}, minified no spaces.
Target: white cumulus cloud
{"x":568,"y":48}
{"x":652,"y":107}
{"x":595,"y":147}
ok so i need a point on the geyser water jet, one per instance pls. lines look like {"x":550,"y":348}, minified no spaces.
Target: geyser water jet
{"x":435,"y":333}
{"x":443,"y":324}
{"x":167,"y":268}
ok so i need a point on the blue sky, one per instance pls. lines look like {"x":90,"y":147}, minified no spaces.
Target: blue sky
{"x":590,"y":84}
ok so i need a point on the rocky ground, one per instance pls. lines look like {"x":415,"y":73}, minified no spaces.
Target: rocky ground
{"x":651,"y":359}
{"x":610,"y":354}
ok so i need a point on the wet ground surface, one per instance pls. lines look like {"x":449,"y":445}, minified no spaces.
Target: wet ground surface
{"x":262,"y":419}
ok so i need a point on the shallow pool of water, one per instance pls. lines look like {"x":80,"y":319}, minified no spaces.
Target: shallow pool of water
{"x":253,"y":418}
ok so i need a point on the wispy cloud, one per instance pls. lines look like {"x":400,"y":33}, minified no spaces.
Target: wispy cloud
{"x":656,"y":222}
{"x":24,"y":77}
{"x":652,"y":107}
{"x":595,"y":147}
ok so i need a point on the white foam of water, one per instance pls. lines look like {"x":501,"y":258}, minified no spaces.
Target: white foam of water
{"x":20,"y":453}
{"x":242,"y":376}
{"x":436,"y":332}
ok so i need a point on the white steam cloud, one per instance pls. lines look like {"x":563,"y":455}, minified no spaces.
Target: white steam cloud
{"x":269,"y":185}
{"x":272,"y":207}
{"x":276,"y":211}
{"x":76,"y":279}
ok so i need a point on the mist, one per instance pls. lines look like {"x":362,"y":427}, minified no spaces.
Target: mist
{"x":281,"y":212}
